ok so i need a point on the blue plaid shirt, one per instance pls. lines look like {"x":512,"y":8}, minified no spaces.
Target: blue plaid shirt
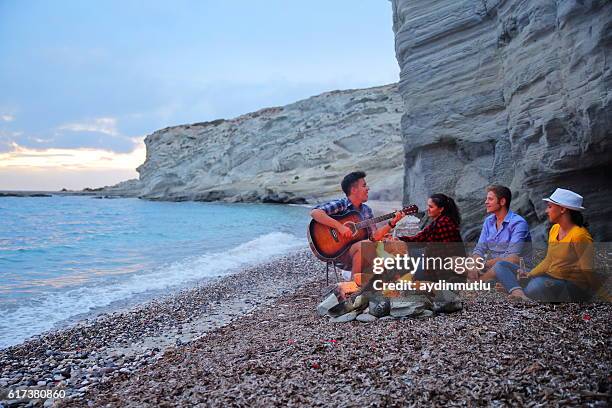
{"x":344,"y":205}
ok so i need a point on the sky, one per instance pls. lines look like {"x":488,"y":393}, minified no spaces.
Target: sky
{"x":83,"y":82}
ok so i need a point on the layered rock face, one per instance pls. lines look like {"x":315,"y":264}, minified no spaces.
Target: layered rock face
{"x":513,"y":92}
{"x":290,"y":154}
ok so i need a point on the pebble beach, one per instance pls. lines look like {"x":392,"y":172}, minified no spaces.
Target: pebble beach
{"x":254,"y":339}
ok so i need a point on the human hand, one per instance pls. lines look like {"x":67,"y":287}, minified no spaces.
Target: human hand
{"x":345,"y":232}
{"x":398,"y":216}
{"x":480,"y":263}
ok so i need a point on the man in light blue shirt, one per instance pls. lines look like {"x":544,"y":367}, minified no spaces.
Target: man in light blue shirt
{"x":505,"y":235}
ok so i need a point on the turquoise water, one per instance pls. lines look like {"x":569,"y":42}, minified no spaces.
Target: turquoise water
{"x":63,"y":256}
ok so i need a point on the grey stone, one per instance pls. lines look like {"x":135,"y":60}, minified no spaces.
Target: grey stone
{"x":407,"y":311}
{"x":446,"y":301}
{"x":512,"y":92}
{"x":425,"y":313}
{"x":409,"y":306}
{"x":366,"y":318}
{"x":347,"y":317}
{"x":330,"y":301}
{"x":361,"y":302}
{"x":341,"y":308}
{"x":379,"y":307}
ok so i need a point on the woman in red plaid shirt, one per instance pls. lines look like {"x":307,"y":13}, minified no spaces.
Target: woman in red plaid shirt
{"x":446,"y":220}
{"x":444,"y":228}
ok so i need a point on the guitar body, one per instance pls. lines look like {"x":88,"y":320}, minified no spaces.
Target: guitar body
{"x":327,"y":244}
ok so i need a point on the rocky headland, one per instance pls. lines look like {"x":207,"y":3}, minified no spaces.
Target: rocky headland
{"x":290,"y":154}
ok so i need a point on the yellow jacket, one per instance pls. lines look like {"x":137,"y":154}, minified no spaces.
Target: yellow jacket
{"x":570,"y":258}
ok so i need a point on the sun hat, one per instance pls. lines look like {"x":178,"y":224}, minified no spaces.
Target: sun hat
{"x":566,"y":198}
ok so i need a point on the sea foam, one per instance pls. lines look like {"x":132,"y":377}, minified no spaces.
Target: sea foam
{"x":45,"y":310}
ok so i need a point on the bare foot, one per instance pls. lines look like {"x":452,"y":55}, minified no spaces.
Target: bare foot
{"x":500,"y":288}
{"x":518,"y":294}
{"x":472,"y":275}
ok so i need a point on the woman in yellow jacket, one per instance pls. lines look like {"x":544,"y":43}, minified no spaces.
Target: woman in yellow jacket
{"x":566,"y":273}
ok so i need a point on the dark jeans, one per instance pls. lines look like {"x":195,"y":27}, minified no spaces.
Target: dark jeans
{"x":542,"y":288}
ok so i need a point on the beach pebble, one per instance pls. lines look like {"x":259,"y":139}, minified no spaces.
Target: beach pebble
{"x":330,"y":301}
{"x":425,"y":313}
{"x":379,"y":308}
{"x":347,"y":317}
{"x":447,"y":301}
{"x":366,"y":318}
{"x":406,"y":311}
{"x":360,"y":301}
{"x":409,"y":306}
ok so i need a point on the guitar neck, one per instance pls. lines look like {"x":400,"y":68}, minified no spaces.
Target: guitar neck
{"x":376,"y":220}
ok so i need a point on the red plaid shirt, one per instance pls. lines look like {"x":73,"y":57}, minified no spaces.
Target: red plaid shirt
{"x":443,"y":229}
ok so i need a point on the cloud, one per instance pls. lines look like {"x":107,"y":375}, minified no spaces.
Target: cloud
{"x":41,"y":141}
{"x":51,"y":159}
{"x":107,"y":126}
{"x":42,"y":180}
{"x":6,"y":117}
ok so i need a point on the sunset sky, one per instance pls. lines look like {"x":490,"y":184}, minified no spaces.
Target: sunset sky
{"x":82,"y":83}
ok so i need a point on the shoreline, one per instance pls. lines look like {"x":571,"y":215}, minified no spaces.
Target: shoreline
{"x":124,"y":305}
{"x":89,"y":351}
{"x":379,"y":207}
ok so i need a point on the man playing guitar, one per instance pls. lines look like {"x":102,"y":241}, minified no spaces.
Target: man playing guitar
{"x":356,"y":190}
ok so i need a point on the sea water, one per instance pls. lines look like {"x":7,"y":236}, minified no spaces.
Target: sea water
{"x":65,"y":256}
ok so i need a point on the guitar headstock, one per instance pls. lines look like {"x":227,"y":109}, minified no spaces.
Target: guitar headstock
{"x":411,"y":209}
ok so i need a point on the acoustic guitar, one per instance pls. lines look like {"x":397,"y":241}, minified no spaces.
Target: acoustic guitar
{"x":327,"y":244}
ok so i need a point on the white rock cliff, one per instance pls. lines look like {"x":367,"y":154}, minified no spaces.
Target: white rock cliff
{"x":290,"y":154}
{"x":515,"y":92}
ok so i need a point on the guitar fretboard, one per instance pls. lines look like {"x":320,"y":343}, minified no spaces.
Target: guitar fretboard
{"x":365,"y":223}
{"x":373,"y":221}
